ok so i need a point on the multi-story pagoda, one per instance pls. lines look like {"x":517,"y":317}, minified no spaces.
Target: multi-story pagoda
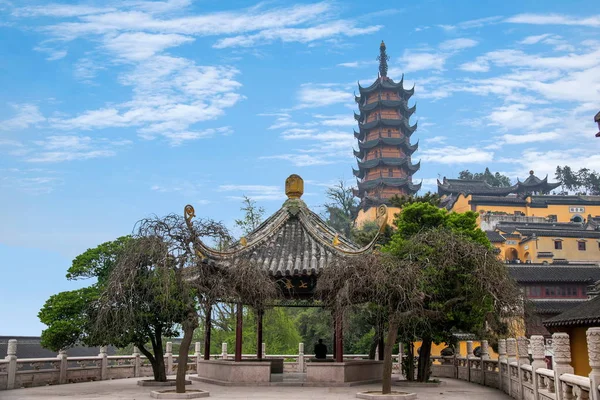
{"x":384,"y":148}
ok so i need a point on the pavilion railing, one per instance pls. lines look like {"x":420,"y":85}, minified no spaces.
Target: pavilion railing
{"x":520,"y":371}
{"x":29,"y":372}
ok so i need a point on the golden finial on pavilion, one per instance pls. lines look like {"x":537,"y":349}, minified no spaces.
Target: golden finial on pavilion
{"x":336,"y":240}
{"x":294,"y":186}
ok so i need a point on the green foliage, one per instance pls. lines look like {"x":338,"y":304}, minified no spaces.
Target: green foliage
{"x":367,"y":232}
{"x":253,"y":216}
{"x":67,"y":314}
{"x":497,"y":179}
{"x":420,"y":216}
{"x":401,"y":201}
{"x":584,"y":181}
{"x":67,"y":318}
{"x":97,"y":262}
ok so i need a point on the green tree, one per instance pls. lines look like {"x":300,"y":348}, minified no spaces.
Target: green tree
{"x":459,"y":269}
{"x":66,"y":314}
{"x":253,"y":216}
{"x":494,"y":179}
{"x":584,"y":181}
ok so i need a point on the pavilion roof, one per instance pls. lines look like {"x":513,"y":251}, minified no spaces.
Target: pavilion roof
{"x":583,"y":314}
{"x":293,"y":241}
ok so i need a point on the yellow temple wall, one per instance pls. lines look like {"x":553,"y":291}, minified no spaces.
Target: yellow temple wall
{"x":483,"y":208}
{"x":370,"y":215}
{"x":436,"y":349}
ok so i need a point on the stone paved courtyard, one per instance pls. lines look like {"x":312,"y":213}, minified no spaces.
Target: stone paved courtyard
{"x":127,"y":389}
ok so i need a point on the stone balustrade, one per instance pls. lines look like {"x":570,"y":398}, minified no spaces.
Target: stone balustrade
{"x":516,"y":375}
{"x":29,"y":372}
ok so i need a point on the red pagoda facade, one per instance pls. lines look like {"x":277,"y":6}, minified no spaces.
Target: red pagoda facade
{"x":384,"y":148}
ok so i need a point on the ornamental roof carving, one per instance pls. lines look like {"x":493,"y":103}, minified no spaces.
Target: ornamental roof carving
{"x":293,"y":241}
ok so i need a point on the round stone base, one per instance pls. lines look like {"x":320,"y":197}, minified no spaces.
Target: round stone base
{"x":391,"y":396}
{"x":170,"y":394}
{"x":152,"y":382}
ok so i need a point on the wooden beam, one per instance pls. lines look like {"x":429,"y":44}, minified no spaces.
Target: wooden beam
{"x":339,"y":336}
{"x":259,"y":333}
{"x":238,"y":332}
{"x":207,"y":329}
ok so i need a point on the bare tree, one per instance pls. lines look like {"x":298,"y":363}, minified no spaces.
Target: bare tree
{"x":378,"y":278}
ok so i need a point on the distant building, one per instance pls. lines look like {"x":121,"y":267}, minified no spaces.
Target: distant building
{"x":384,"y":150}
{"x":31,"y":347}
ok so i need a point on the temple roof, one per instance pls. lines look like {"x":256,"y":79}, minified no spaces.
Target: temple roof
{"x":364,"y":166}
{"x":292,"y":241}
{"x":555,"y":306}
{"x":404,"y":143}
{"x":549,"y":229}
{"x":535,"y":184}
{"x":389,"y":182}
{"x":466,"y":187}
{"x":401,"y":123}
{"x":584,"y":314}
{"x":393,"y":104}
{"x":537,"y":273}
{"x":385,"y":83}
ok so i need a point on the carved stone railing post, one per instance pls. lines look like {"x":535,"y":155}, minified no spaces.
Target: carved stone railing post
{"x":264,"y":350}
{"x":62,"y":367}
{"x":197,"y":354}
{"x":11,"y":357}
{"x":137,"y":362}
{"x":485,"y":350}
{"x":169,"y":357}
{"x":103,"y":363}
{"x":523,"y":350}
{"x":224,"y":351}
{"x":300,"y":357}
{"x":511,"y":356}
{"x":501,"y":358}
{"x":593,"y":345}
{"x":469,"y":357}
{"x":538,"y":353}
{"x":561,"y":360}
{"x":400,"y":355}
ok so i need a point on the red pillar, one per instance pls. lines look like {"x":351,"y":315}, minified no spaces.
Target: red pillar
{"x":207,"y":329}
{"x":238,"y":332}
{"x":339,"y":336}
{"x":259,"y":333}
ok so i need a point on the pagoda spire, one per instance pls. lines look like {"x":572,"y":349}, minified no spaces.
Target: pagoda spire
{"x":383,"y":59}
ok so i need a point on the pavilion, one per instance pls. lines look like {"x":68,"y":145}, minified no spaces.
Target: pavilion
{"x":294,"y":245}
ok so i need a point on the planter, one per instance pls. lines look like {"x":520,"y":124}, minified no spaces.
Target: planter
{"x":170,"y":394}
{"x":151,"y":382}
{"x":392,"y":396}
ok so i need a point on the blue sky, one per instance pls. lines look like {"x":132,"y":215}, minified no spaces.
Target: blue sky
{"x":113,"y":111}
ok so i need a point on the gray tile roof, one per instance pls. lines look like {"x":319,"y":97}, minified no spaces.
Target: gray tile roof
{"x":293,"y":241}
{"x":555,"y":306}
{"x":571,"y":273}
{"x":495,"y":237}
{"x":583,"y":314}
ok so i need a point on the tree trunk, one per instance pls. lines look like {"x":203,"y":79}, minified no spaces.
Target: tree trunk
{"x":158,"y":369}
{"x":392,"y":334}
{"x":188,"y":333}
{"x":410,"y":361}
{"x":424,"y":357}
{"x":158,"y":365}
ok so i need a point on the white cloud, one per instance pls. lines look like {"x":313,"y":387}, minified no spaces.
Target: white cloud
{"x":300,"y":160}
{"x":357,"y":64}
{"x":436,"y":139}
{"x":314,"y":95}
{"x":457,"y":44}
{"x":479,"y":65}
{"x":336,"y":120}
{"x":139,"y":45}
{"x":518,"y":116}
{"x":60,"y":10}
{"x":255,"y":192}
{"x":456,"y":155}
{"x":554,"y":19}
{"x":418,"y":61}
{"x":33,"y":181}
{"x":27,"y":115}
{"x":62,"y":148}
{"x":535,"y":39}
{"x":85,"y":69}
{"x":530,"y":137}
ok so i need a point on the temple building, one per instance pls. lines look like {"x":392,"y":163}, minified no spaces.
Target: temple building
{"x":384,"y":150}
